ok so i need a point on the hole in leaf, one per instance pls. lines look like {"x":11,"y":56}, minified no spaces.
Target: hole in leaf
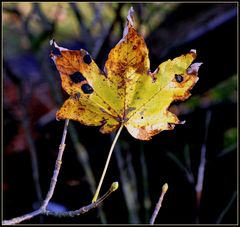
{"x":77,"y":95}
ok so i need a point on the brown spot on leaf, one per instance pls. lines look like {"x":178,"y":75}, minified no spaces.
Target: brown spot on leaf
{"x":142,"y":134}
{"x":193,"y":53}
{"x":77,"y":95}
{"x":81,"y":109}
{"x":145,"y":135}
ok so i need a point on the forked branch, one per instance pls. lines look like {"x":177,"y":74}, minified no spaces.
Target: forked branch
{"x":43,"y":209}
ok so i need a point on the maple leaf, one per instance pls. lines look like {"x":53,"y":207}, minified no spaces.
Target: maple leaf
{"x":125,"y":92}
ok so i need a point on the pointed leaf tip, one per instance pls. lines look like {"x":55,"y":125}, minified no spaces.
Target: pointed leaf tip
{"x":128,"y":24}
{"x":56,"y":50}
{"x":51,"y":42}
{"x":130,"y":15}
{"x":193,"y":51}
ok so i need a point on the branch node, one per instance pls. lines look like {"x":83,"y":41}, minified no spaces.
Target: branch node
{"x":62,"y":146}
{"x":59,"y":162}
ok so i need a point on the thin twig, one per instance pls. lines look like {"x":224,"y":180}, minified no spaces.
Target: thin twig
{"x":146,"y":197}
{"x":52,"y":184}
{"x":26,"y":125}
{"x":187,"y":160}
{"x":97,"y":9}
{"x":74,"y":213}
{"x":33,"y":154}
{"x":132,"y":186}
{"x":43,"y":209}
{"x":22,"y":218}
{"x":226,"y":209}
{"x":45,"y":23}
{"x":99,"y":51}
{"x":159,"y":204}
{"x":188,"y":173}
{"x":85,"y":31}
{"x":57,"y":167}
{"x":84,"y":160}
{"x":227,"y":150}
{"x":106,"y":164}
{"x":32,"y":148}
{"x":83,"y":157}
{"x":202,"y":164}
{"x":127,"y":186}
{"x":84,"y":209}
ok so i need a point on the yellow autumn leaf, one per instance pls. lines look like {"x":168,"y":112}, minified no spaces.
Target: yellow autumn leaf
{"x":125,"y":92}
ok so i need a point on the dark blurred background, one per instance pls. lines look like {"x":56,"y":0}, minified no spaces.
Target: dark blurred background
{"x":207,"y":141}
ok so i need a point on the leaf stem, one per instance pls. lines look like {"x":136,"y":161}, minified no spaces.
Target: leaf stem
{"x":106,"y":164}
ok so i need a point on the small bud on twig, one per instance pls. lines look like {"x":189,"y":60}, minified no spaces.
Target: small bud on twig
{"x":159,"y":204}
{"x":114,"y":186}
{"x":164,"y":188}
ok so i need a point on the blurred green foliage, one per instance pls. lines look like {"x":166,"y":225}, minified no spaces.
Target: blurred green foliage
{"x":27,"y":20}
{"x":230,"y":137}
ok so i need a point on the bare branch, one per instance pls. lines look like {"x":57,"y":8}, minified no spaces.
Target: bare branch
{"x":57,"y":167}
{"x":43,"y":209}
{"x":202,"y":163}
{"x":130,"y":195}
{"x":105,"y":42}
{"x":73,"y":213}
{"x":144,"y":172}
{"x":159,"y":204}
{"x":188,"y":172}
{"x":22,"y":218}
{"x":226,"y":209}
{"x":84,"y":209}
{"x":85,"y":32}
{"x":33,"y":151}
